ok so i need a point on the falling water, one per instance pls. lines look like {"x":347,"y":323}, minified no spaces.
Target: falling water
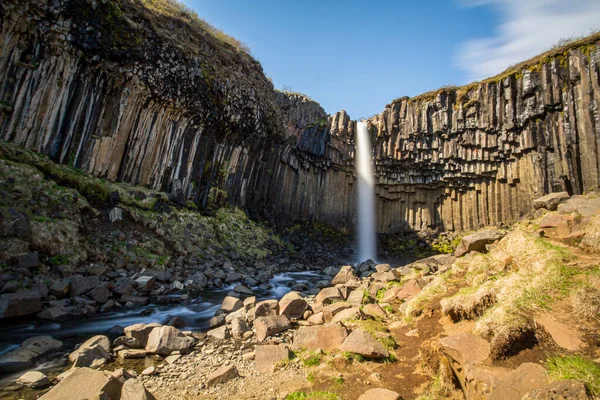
{"x":367,"y":248}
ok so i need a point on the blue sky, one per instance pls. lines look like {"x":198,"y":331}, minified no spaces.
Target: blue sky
{"x":360,"y":55}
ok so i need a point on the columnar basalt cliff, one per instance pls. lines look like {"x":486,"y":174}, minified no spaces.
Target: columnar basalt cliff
{"x":121,"y":91}
{"x":463,"y":158}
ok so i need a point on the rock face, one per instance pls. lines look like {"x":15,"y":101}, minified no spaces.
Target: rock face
{"x":127,"y":95}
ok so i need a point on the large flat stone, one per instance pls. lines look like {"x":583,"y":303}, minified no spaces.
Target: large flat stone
{"x":267,"y":356}
{"x":86,"y":384}
{"x":30,"y":350}
{"x":361,"y":342}
{"x":326,"y":337}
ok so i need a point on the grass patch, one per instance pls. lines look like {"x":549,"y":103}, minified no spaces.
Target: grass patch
{"x":586,"y":302}
{"x":353,"y":356}
{"x":316,"y":395}
{"x":575,"y":367}
{"x":312,"y":361}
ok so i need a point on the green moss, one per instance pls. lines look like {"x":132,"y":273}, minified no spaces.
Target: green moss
{"x":61,"y":259}
{"x":575,"y":367}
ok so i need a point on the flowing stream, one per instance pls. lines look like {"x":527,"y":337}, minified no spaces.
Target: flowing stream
{"x":195,"y":315}
{"x":367,"y":246}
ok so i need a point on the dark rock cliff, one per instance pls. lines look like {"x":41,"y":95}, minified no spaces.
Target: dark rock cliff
{"x":122,"y":91}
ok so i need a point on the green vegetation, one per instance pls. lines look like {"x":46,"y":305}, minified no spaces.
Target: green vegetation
{"x":445,"y":245}
{"x":576,"y":367}
{"x":337,"y":380}
{"x":316,"y":395}
{"x":310,"y":377}
{"x":312,"y":361}
{"x":353,"y":356}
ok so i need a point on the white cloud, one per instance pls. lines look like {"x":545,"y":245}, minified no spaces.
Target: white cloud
{"x":526,"y":28}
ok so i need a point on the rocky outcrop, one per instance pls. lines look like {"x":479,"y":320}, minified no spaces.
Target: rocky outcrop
{"x":121,"y":92}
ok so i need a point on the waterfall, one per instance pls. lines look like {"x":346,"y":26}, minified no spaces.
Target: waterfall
{"x":367,"y":247}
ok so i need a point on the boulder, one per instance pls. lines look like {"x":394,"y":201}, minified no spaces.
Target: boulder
{"x":407,"y":291}
{"x":145,"y":283}
{"x":347,"y":314}
{"x":477,"y":241}
{"x":267,"y":356}
{"x":241,"y":313}
{"x":30,"y":350}
{"x":231,"y":304}
{"x":134,"y":300}
{"x":100,"y":294}
{"x":267,"y":326}
{"x":361,"y":342}
{"x":356,"y":297}
{"x":93,"y":357}
{"x":128,"y":354}
{"x":83,"y":284}
{"x":222,"y":375}
{"x":345,"y":274}
{"x":33,"y":379}
{"x":333,"y":309}
{"x":316,"y":319}
{"x":379,"y":394}
{"x":54,"y":313}
{"x":250,"y":302}
{"x":383,"y":268}
{"x":550,"y":201}
{"x":328,"y":296}
{"x":243,"y":290}
{"x":22,"y":302}
{"x":374,"y":310}
{"x":326,"y":337}
{"x":166,"y":339}
{"x":139,"y":334}
{"x":265,"y":308}
{"x":85,"y":384}
{"x":134,"y":389}
{"x":292,"y":305}
{"x":219,"y":333}
{"x":388,"y":276}
{"x":98,"y":340}
{"x":238,"y":328}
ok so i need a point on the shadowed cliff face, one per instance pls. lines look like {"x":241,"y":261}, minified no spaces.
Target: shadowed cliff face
{"x":124,"y":93}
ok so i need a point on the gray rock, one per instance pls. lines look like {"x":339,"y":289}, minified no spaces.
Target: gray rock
{"x":33,"y":379}
{"x":83,"y":284}
{"x":550,"y":201}
{"x":22,"y":302}
{"x":28,"y":352}
{"x":477,"y":241}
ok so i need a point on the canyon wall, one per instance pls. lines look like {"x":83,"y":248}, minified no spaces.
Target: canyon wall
{"x":131,"y":93}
